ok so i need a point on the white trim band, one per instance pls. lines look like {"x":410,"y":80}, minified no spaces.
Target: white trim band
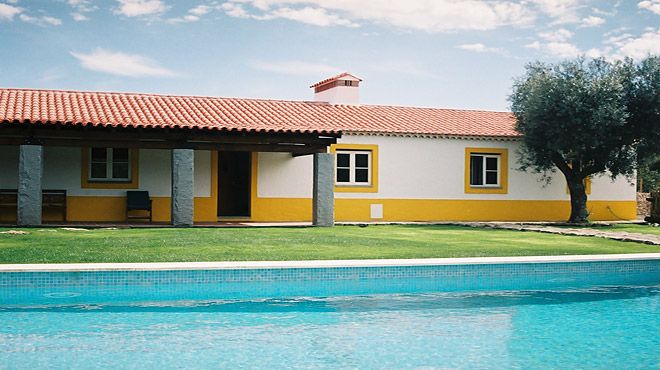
{"x":73,"y":267}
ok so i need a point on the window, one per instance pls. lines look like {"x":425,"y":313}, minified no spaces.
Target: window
{"x":353,"y":167}
{"x":486,"y":170}
{"x":356,"y":168}
{"x":109,"y":164}
{"x":110,"y":168}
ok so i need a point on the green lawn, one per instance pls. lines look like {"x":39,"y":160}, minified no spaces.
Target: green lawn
{"x":341,"y":242}
{"x":634,"y":228}
{"x":631,"y":228}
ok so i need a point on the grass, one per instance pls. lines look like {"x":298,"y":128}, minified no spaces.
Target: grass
{"x":630,"y":228}
{"x":342,"y":242}
{"x":635,"y":228}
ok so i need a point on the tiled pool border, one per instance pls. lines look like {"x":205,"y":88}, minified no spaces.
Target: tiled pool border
{"x":94,"y":283}
{"x":251,"y":265}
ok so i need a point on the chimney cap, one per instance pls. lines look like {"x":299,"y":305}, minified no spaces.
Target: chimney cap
{"x":341,"y":76}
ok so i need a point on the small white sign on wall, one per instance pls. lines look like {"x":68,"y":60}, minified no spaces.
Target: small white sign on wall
{"x":376,"y":211}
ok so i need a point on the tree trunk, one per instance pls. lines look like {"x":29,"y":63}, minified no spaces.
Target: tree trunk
{"x":576,"y":188}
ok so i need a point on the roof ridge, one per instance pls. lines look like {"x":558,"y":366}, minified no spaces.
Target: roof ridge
{"x":161,"y":95}
{"x":434,"y":108}
{"x":249,"y":99}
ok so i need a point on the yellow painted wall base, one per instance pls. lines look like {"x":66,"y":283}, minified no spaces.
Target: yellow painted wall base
{"x":287,"y":209}
{"x":283,"y":209}
{"x":112,"y":209}
{"x":480,"y":210}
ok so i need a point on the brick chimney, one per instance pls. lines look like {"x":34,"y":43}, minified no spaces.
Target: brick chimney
{"x":341,"y":89}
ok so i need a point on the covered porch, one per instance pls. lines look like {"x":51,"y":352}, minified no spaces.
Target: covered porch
{"x":174,"y":158}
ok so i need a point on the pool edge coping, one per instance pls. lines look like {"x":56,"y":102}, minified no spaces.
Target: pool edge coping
{"x":239,"y":265}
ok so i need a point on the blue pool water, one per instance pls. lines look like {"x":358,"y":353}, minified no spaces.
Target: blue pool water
{"x":577,"y":320}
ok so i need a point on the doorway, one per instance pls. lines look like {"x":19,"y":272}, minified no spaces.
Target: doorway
{"x":234,"y":184}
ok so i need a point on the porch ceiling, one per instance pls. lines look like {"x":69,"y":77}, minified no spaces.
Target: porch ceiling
{"x":12,"y":133}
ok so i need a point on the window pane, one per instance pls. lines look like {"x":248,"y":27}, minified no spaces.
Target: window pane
{"x":343,"y":160}
{"x":362,"y":160}
{"x":476,"y":170}
{"x":362,"y":175}
{"x":98,"y":171}
{"x":491,"y":164}
{"x":120,"y":170}
{"x":120,"y":155}
{"x":99,"y":155}
{"x":343,"y":175}
{"x":491,"y":177}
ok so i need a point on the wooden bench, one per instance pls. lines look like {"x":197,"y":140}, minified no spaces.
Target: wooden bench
{"x":50,"y":199}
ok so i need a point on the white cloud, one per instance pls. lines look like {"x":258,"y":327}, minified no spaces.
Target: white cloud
{"x":592,"y":21}
{"x":235,"y":10}
{"x":604,"y":13}
{"x":41,"y":21}
{"x":80,"y":8}
{"x":121,"y":64}
{"x":556,"y":43}
{"x":534,"y":45}
{"x":295,"y":67}
{"x":638,"y":47}
{"x":7,"y":12}
{"x":313,"y":16}
{"x":560,"y":35}
{"x":562,"y":11}
{"x":562,"y":49}
{"x":200,"y":10}
{"x":424,"y":15}
{"x":194,"y":14}
{"x":598,"y":53}
{"x":79,"y":17}
{"x":137,"y":8}
{"x":479,"y":48}
{"x":650,"y":5}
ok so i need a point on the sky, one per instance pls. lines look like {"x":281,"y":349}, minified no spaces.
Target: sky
{"x":428,"y":53}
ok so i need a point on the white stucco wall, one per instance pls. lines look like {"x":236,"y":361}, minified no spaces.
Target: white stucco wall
{"x":62,"y":170}
{"x":409,"y":168}
{"x":426,"y":168}
{"x":281,"y":175}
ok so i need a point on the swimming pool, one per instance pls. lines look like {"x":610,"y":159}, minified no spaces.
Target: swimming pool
{"x":541,"y":314}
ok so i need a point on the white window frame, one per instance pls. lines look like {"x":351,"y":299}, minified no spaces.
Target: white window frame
{"x":352,"y":167}
{"x":484,"y":171}
{"x":108,"y":167}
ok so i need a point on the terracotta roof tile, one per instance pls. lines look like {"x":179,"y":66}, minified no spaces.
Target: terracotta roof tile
{"x":334,"y":78}
{"x":144,"y":110}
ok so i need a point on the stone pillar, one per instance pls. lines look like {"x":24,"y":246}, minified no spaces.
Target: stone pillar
{"x":182,"y":187}
{"x":30,"y":173}
{"x":324,"y":195}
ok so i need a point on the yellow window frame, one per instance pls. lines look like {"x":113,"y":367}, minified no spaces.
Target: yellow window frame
{"x":135,"y":174}
{"x":373,"y":186}
{"x":503,"y":188}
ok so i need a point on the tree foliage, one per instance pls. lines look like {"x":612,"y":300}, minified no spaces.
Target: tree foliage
{"x":587,"y":117}
{"x":648,"y":173}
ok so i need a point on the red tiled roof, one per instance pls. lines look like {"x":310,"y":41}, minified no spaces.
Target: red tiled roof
{"x":334,"y":78}
{"x":233,"y":114}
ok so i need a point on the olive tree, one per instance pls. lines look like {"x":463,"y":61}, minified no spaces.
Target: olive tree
{"x":586,"y":117}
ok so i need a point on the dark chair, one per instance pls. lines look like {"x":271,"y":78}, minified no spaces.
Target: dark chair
{"x":138,"y":201}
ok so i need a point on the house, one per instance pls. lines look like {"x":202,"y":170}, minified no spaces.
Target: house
{"x":205,"y":159}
